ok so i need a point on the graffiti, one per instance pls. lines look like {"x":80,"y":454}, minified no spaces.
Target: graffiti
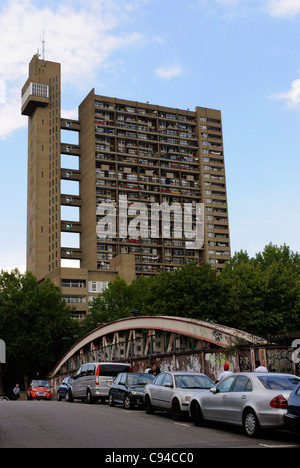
{"x":281,"y":362}
{"x":217,"y":360}
{"x":218,"y":335}
{"x":245,"y":364}
{"x":2,"y":352}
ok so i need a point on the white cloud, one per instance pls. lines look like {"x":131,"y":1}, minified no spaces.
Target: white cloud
{"x":78,"y":34}
{"x":292,"y":96}
{"x":9,"y":269}
{"x":277,"y":8}
{"x":70,"y":114}
{"x":283,"y":7}
{"x":168,"y":72}
{"x":10,"y":116}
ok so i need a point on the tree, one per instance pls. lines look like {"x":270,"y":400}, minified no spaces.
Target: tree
{"x":272,"y":254}
{"x":192,"y":291}
{"x":262,"y":293}
{"x":34,"y":320}
{"x":243,"y":287}
{"x":112,"y":304}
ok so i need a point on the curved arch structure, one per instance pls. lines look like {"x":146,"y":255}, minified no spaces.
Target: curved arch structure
{"x":204,"y":332}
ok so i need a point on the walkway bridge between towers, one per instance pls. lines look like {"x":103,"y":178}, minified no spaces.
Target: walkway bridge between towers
{"x":172,"y":341}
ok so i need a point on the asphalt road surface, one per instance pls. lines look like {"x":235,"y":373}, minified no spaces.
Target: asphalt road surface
{"x":53,"y":424}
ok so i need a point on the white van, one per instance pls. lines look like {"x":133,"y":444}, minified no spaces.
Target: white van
{"x":93,"y":380}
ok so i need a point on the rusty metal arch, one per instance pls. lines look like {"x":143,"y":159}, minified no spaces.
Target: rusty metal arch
{"x":213,"y":333}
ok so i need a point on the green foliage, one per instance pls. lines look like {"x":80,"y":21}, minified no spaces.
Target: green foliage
{"x":34,"y":322}
{"x":259,"y":295}
{"x":263,"y":293}
{"x":112,"y":304}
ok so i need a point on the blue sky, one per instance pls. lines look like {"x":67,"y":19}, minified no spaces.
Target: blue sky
{"x":239,"y":56}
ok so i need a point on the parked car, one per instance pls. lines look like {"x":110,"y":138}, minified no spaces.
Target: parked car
{"x":172,"y":392}
{"x":292,"y":417}
{"x":252,"y":400}
{"x":39,"y":390}
{"x":93,"y":380}
{"x":63,"y":389}
{"x":128,"y":389}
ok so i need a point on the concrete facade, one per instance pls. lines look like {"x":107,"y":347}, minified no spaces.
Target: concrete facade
{"x":148,"y":154}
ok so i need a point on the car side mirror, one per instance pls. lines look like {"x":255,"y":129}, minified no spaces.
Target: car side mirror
{"x":168,"y":385}
{"x":213,"y":390}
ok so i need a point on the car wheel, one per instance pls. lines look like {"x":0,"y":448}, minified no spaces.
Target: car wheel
{"x":89,"y":398}
{"x":71,"y":398}
{"x":67,"y":396}
{"x":196,"y":415}
{"x":176,"y":411}
{"x":148,"y":407}
{"x":127,"y":403}
{"x":59,"y":398}
{"x":251,"y":424}
{"x":111,"y":400}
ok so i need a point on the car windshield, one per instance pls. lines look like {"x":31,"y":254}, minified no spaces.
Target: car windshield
{"x":279,"y":382}
{"x":112,"y":370}
{"x":40,"y":383}
{"x":140,"y":379}
{"x":193,"y":381}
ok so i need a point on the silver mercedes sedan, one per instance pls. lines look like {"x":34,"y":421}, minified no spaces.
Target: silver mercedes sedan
{"x":252,"y":400}
{"x":172,"y":392}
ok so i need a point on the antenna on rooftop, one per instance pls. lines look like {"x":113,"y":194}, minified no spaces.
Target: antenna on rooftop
{"x":43,"y":45}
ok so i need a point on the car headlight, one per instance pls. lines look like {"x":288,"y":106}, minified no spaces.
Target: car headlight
{"x":134,"y":392}
{"x":187,"y":398}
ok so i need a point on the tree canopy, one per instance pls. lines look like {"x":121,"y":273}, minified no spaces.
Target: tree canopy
{"x":260,"y":295}
{"x":35,"y":323}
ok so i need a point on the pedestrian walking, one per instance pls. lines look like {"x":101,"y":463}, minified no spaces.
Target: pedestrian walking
{"x":260,"y":368}
{"x":154,"y":369}
{"x":225,"y":373}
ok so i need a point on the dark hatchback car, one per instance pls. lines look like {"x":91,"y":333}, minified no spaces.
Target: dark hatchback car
{"x":128,"y":389}
{"x":63,"y":389}
{"x":292,"y":417}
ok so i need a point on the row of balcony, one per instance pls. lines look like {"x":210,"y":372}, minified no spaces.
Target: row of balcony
{"x":110,"y":109}
{"x":108,"y":127}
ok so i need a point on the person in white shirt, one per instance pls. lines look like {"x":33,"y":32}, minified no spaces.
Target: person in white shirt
{"x":224,"y":374}
{"x":259,"y":367}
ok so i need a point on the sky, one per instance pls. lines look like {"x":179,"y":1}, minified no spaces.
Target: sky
{"x":239,"y":56}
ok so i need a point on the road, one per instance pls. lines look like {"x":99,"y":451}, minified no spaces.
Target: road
{"x":53,"y":424}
